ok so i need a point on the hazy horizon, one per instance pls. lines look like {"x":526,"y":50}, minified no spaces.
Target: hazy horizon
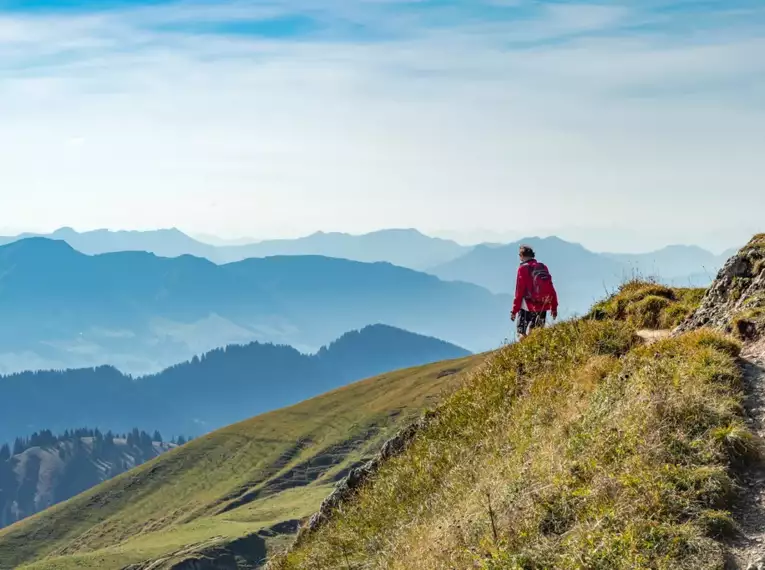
{"x":274,"y":119}
{"x":596,"y":240}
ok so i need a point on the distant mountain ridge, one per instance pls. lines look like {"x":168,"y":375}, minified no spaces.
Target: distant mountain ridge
{"x":682,"y":265}
{"x":403,"y":247}
{"x":164,"y":243}
{"x":218,"y":388}
{"x":580,"y":275}
{"x":142,"y":313}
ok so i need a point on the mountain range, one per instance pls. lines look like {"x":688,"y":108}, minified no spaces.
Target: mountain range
{"x":403,"y":247}
{"x":680,"y":265}
{"x":141,"y":313}
{"x":74,"y":300}
{"x":581,"y":276}
{"x":209,"y":391}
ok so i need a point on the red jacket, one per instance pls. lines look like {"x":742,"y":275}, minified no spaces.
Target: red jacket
{"x":523,"y":286}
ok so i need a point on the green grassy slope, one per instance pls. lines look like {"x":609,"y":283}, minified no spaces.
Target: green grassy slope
{"x":649,"y":305}
{"x":231,"y":483}
{"x":579,"y":447}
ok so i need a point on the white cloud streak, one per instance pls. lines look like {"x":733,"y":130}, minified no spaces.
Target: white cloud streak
{"x":557,"y":120}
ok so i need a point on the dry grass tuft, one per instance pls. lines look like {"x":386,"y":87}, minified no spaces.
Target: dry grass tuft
{"x":757,"y":241}
{"x":647,"y":305}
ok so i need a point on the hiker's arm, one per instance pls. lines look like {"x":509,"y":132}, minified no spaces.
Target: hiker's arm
{"x":555,"y":303}
{"x":520,"y":290}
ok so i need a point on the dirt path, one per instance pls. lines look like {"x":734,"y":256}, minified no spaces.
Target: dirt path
{"x":651,"y":335}
{"x":748,"y":550}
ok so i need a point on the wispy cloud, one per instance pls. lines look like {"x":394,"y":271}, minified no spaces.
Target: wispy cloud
{"x":294,"y":115}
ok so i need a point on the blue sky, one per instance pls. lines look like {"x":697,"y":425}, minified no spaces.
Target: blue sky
{"x":597,"y":121}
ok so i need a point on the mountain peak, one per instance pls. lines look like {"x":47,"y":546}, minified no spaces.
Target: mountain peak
{"x":401,"y":231}
{"x":172,"y":231}
{"x":684,"y":248}
{"x":65,"y":231}
{"x":36,"y":245}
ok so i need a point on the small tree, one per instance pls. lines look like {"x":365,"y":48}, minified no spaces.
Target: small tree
{"x":5,"y":452}
{"x":145,"y":441}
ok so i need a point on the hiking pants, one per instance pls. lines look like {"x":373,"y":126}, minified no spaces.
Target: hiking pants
{"x":528,"y":320}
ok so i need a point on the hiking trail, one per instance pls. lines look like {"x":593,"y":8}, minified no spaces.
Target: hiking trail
{"x":735,"y":304}
{"x":748,"y":548}
{"x":651,"y":335}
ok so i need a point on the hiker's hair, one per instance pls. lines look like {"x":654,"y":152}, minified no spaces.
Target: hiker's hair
{"x":526,"y":251}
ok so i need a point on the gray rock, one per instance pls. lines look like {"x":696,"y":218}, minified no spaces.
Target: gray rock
{"x":739,"y":286}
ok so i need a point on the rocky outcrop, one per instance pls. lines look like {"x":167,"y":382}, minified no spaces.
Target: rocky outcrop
{"x":285,"y":527}
{"x":735,"y":303}
{"x":357,"y":477}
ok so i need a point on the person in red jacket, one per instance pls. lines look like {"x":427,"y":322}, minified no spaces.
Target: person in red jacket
{"x":535,"y":294}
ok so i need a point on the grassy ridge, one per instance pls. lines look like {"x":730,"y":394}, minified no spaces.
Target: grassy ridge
{"x":235,"y":481}
{"x":580,"y":447}
{"x":647,"y":305}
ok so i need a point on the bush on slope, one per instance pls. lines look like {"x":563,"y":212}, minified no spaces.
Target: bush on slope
{"x":648,"y":305}
{"x":576,"y":448}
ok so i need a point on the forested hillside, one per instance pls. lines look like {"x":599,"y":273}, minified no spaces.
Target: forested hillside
{"x":44,"y":469}
{"x":209,"y":391}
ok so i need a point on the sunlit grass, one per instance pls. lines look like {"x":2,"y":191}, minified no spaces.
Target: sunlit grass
{"x":177,"y":499}
{"x":647,"y":305}
{"x":578,"y":448}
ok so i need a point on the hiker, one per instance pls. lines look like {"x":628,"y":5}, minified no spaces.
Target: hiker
{"x":534,"y":294}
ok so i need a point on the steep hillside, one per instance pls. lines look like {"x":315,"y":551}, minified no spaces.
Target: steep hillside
{"x":219,"y":388}
{"x":56,"y":470}
{"x":234,"y":491}
{"x":584,"y":446}
{"x":141,"y":313}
